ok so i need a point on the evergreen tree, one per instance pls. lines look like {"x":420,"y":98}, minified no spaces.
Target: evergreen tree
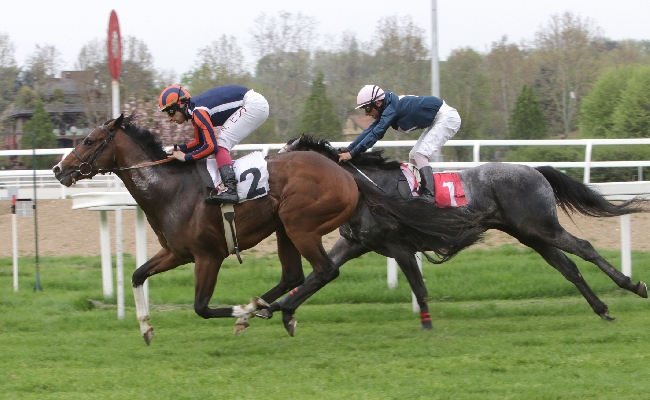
{"x":318,"y":116}
{"x":527,"y":118}
{"x":40,"y":125}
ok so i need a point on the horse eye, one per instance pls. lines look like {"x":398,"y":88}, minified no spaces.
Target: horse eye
{"x":88,"y":142}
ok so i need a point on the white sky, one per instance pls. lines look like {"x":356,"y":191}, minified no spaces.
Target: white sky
{"x":175,"y":30}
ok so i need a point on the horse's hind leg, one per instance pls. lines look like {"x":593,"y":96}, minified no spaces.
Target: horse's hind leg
{"x":292,"y":273}
{"x":408,"y":264}
{"x":586,"y":251}
{"x":569,"y":270}
{"x":343,"y":251}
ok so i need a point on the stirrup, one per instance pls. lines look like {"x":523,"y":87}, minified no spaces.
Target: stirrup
{"x":427,"y":196}
{"x":223,"y":197}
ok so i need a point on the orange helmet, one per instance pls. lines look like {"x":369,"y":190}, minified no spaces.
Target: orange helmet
{"x":173,"y":94}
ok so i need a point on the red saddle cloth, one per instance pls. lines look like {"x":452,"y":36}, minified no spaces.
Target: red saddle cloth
{"x":449,"y":190}
{"x":447,"y":185}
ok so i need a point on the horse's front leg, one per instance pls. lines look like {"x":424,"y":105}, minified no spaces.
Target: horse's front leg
{"x":163,"y":261}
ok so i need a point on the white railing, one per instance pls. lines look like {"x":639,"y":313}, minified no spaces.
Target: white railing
{"x":46,"y":180}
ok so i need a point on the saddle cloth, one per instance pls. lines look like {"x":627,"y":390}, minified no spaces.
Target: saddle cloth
{"x":447,"y":186}
{"x":251,"y":173}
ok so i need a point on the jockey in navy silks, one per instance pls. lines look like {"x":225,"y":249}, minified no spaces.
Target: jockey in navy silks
{"x":406,"y":113}
{"x":222,"y":117}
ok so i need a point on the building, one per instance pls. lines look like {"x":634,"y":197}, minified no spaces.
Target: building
{"x":73,"y":102}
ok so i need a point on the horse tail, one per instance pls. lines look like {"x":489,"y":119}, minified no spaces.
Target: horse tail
{"x":444,"y":231}
{"x":573,"y":196}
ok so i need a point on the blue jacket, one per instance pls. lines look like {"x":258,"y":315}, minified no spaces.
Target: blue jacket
{"x":406,"y":113}
{"x":208,"y":110}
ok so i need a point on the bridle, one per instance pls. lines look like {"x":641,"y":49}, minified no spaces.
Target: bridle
{"x":85,"y":168}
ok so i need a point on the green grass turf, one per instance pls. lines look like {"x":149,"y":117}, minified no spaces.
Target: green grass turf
{"x":506,"y":325}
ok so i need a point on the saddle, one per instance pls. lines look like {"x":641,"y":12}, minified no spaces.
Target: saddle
{"x":448,"y":187}
{"x":250,"y":171}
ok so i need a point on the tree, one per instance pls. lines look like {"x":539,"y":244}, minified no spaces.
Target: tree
{"x":283,"y":47}
{"x":42,"y":127}
{"x":597,"y":110}
{"x":8,"y":72}
{"x":345,"y":67}
{"x":220,"y":63}
{"x":567,"y":51}
{"x":27,"y":97}
{"x":401,"y":62}
{"x":318,"y":116}
{"x":527,"y":118}
{"x":43,"y":63}
{"x":632,"y":116}
{"x":464,"y":86}
{"x":509,"y":67}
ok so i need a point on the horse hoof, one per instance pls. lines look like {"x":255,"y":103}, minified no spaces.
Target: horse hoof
{"x":241,"y":327}
{"x":260,"y":303}
{"x":427,"y":326}
{"x":606,"y":316}
{"x":264,"y":314}
{"x":148,"y":336}
{"x":642,"y":290}
{"x":291,"y":327}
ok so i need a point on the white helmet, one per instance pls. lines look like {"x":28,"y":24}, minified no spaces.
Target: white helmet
{"x":368,"y":94}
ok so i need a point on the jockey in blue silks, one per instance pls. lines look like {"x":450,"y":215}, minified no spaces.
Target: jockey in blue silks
{"x":406,"y":113}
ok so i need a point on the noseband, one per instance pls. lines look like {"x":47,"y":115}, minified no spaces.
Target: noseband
{"x":85,"y":168}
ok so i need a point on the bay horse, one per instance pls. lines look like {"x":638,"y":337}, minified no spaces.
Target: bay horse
{"x":309,"y":196}
{"x":518,"y":200}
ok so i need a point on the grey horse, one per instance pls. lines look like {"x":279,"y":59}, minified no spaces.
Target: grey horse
{"x":518,"y":200}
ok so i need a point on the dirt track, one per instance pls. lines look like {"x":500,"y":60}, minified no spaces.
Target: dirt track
{"x":62,"y":231}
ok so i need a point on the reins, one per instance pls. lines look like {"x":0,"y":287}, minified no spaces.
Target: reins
{"x":86,"y":168}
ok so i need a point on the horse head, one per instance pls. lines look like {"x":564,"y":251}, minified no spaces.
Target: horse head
{"x":95,"y":154}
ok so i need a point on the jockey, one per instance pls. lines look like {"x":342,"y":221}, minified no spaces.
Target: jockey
{"x":406,"y":113}
{"x":236,"y":110}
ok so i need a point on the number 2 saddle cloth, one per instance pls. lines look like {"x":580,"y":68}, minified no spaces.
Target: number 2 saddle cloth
{"x":250,"y":171}
{"x":447,"y":187}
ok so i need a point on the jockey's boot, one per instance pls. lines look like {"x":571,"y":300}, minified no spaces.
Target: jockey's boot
{"x":426,"y":184}
{"x":230,"y":182}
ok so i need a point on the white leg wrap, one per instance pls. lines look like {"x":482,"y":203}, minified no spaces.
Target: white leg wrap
{"x":141,"y":309}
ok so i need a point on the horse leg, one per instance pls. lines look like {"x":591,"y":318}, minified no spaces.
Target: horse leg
{"x":206,"y":270}
{"x":292,"y":273}
{"x":408,"y":264}
{"x":583,"y":249}
{"x":343,"y":251}
{"x":164,"y":260}
{"x":569,"y":270}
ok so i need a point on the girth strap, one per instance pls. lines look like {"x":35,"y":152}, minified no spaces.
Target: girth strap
{"x":228,"y":212}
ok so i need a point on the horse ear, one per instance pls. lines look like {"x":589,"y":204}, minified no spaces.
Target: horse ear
{"x":118,"y":122}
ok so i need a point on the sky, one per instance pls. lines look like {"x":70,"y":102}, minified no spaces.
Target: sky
{"x":174,"y":31}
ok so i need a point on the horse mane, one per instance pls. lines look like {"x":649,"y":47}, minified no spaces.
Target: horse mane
{"x":370,"y":158}
{"x":143,"y":137}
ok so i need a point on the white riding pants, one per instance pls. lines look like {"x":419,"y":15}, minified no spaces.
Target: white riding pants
{"x":444,"y":127}
{"x":253,"y":112}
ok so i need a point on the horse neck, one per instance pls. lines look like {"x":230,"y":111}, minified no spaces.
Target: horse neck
{"x":147,"y":184}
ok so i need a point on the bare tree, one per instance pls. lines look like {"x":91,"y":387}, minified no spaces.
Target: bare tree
{"x":44,"y":62}
{"x":509,"y":68}
{"x":7,"y":51}
{"x":220,"y":63}
{"x":464,"y":85}
{"x":345,"y":67}
{"x":402,"y":62}
{"x":567,"y":51}
{"x":283,"y":46}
